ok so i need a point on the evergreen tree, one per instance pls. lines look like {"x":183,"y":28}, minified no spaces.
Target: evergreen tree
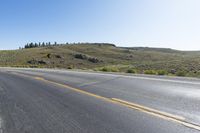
{"x":36,"y":45}
{"x":43,"y":44}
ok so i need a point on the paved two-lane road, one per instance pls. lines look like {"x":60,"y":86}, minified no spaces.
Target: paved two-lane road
{"x":58,"y":101}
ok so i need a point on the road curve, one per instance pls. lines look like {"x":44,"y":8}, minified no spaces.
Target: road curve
{"x":60,"y":101}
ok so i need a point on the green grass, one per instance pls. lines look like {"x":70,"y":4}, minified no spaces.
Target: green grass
{"x":108,"y":58}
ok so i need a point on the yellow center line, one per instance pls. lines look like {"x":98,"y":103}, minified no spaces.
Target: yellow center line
{"x":147,"y":110}
{"x":157,"y":113}
{"x":144,"y":108}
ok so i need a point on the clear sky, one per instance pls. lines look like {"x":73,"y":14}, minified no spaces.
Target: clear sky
{"x":153,"y":23}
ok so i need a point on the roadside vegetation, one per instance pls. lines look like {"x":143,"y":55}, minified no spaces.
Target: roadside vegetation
{"x":104,"y":57}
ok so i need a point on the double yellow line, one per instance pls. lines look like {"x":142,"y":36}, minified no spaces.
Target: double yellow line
{"x":153,"y":112}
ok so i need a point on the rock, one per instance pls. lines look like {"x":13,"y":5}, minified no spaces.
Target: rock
{"x":54,"y":56}
{"x":80,"y":56}
{"x":93,"y":60}
{"x":49,"y":55}
{"x":58,"y":56}
{"x":42,"y":62}
{"x":85,"y":57}
{"x":173,"y":71}
{"x":34,"y":61}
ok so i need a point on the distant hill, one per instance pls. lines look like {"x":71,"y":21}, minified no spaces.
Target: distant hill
{"x":165,"y":50}
{"x":106,"y":57}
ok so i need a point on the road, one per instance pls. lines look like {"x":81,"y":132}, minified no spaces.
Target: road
{"x":60,"y":101}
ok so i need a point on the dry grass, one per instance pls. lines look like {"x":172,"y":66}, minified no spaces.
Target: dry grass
{"x":160,"y":61}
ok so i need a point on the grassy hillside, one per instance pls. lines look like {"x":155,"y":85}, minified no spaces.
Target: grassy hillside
{"x":106,"y":57}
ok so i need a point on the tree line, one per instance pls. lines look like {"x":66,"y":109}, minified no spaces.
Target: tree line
{"x":43,"y":44}
{"x":47,"y":44}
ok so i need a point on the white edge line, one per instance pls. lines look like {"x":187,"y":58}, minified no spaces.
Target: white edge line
{"x":125,"y":76}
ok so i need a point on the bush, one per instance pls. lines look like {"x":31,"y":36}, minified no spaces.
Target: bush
{"x":114,"y":69}
{"x":70,"y":67}
{"x":151,"y":72}
{"x":109,"y":69}
{"x":181,"y":73}
{"x":162,"y":72}
{"x":130,"y":71}
{"x":105,"y":69}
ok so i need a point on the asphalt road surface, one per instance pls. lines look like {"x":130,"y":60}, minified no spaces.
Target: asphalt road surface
{"x":60,"y":101}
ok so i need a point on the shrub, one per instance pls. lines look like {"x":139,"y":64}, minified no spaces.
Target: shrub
{"x":130,"y":71}
{"x":151,"y":72}
{"x":105,"y":69}
{"x":109,"y":69}
{"x":181,"y":73}
{"x":114,"y":69}
{"x":162,"y":72}
{"x":70,"y":67}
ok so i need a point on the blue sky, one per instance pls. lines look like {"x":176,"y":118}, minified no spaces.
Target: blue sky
{"x":153,"y":23}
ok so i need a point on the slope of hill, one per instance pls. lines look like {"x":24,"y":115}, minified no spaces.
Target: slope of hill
{"x":106,"y":57}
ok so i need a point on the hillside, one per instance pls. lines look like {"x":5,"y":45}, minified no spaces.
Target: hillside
{"x":106,"y":57}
